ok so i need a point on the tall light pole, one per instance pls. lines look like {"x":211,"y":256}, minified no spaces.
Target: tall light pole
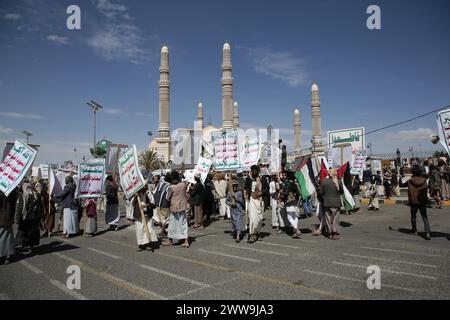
{"x":28,"y":134}
{"x":411,"y":149}
{"x":369,"y":146}
{"x":95,"y":107}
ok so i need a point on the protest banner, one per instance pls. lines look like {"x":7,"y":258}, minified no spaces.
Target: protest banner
{"x":359,"y":163}
{"x":15,"y":166}
{"x":443,"y":122}
{"x":202,"y":168}
{"x":131,"y":178}
{"x":226,"y":153}
{"x":35,"y":172}
{"x":249,"y":150}
{"x":91,"y":175}
{"x":44,"y":168}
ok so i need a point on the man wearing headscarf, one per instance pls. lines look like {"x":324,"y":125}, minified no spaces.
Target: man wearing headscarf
{"x":253,"y":191}
{"x":69,"y":207}
{"x":7,"y":211}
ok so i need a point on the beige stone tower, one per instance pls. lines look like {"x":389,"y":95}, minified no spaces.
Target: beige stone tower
{"x":236,"y":114}
{"x":163,"y":139}
{"x":297,"y":132}
{"x":200,"y":116}
{"x":227,"y":89}
{"x":317,"y":147}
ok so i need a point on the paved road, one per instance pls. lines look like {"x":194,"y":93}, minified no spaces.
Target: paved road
{"x":215,"y":267}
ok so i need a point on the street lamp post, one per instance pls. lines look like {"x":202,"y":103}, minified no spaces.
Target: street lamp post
{"x":28,"y":134}
{"x":95,"y":107}
{"x":411,"y":149}
{"x":369,"y":146}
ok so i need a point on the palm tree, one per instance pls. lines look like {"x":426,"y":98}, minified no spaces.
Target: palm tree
{"x":149,"y":160}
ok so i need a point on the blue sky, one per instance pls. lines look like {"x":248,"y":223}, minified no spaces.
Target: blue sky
{"x":367,"y":78}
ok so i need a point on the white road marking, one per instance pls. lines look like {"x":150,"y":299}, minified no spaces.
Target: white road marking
{"x":278,"y":245}
{"x":406,"y":252}
{"x":386,"y":270}
{"x":73,"y":293}
{"x":258,"y":250}
{"x":357,"y":280}
{"x":30,"y":267}
{"x":390,"y":260}
{"x":228,"y":255}
{"x":175,"y":276}
{"x":104,"y":253}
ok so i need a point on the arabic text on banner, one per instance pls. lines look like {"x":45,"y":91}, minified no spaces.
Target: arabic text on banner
{"x":249,"y":151}
{"x":131,"y":178}
{"x":443,"y":122}
{"x":202,"y":168}
{"x":90,"y":178}
{"x":15,"y":166}
{"x":359,"y":163}
{"x":226,"y":154}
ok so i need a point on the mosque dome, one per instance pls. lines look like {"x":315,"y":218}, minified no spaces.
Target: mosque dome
{"x":226,"y":46}
{"x":296,"y":111}
{"x":314,"y":87}
{"x":164,"y":49}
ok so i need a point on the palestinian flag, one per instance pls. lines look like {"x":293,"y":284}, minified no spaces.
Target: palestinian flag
{"x":344,"y":173}
{"x":305,"y":178}
{"x":323,"y":171}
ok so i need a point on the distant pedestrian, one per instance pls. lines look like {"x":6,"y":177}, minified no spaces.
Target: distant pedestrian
{"x":379,"y":183}
{"x":331,"y":190}
{"x":70,"y":208}
{"x":178,"y":223}
{"x":197,"y":194}
{"x":274,"y":191}
{"x":291,"y":196}
{"x":7,"y":212}
{"x":235,"y":199}
{"x":367,"y":180}
{"x":90,"y":206}
{"x":112,"y":213}
{"x":445,"y":179}
{"x":434,"y":185}
{"x":253,"y":188}
{"x":355,"y":193}
{"x":373,"y":198}
{"x":143,"y":210}
{"x":418,"y":198}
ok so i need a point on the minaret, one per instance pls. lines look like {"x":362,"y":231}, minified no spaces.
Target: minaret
{"x":163,"y":140}
{"x":227,"y":89}
{"x":297,"y":132}
{"x":236,"y":114}
{"x":200,"y":116}
{"x":317,"y":147}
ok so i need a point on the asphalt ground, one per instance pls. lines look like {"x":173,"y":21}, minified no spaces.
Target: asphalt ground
{"x":217,"y":268}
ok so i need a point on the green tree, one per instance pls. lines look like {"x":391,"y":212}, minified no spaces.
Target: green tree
{"x":149,"y":160}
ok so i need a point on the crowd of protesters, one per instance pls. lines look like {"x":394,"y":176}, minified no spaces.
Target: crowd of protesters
{"x":175,"y":205}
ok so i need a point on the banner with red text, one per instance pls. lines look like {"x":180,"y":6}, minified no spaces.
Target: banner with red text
{"x":91,"y":177}
{"x":131,"y":178}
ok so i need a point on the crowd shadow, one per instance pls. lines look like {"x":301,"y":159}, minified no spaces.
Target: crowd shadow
{"x":345,"y":224}
{"x":433,"y":234}
{"x":52,"y":247}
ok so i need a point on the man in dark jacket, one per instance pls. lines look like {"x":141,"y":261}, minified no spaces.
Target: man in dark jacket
{"x":418,"y":198}
{"x":331,"y":190}
{"x":367,"y":180}
{"x":112,"y":214}
{"x":208,"y":206}
{"x":197,"y":200}
{"x":7,"y":212}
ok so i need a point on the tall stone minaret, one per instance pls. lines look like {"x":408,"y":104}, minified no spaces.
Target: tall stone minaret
{"x":236,"y":114}
{"x":227,"y":89}
{"x":297,"y":132}
{"x":200,"y":116}
{"x":163,"y":139}
{"x":317,"y":147}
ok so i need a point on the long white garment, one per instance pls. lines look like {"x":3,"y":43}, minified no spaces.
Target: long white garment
{"x":70,"y":225}
{"x":222,"y":207}
{"x":141,"y":235}
{"x":129,"y":208}
{"x":274,"y":204}
{"x":292,"y":215}
{"x":255,"y":215}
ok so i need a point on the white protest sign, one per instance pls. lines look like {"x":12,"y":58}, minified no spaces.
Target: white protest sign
{"x":44,"y":171}
{"x":358,"y":164}
{"x":90,"y":178}
{"x":15,"y":166}
{"x":226,"y":153}
{"x":443,"y":122}
{"x":131,"y":178}
{"x":202,"y":168}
